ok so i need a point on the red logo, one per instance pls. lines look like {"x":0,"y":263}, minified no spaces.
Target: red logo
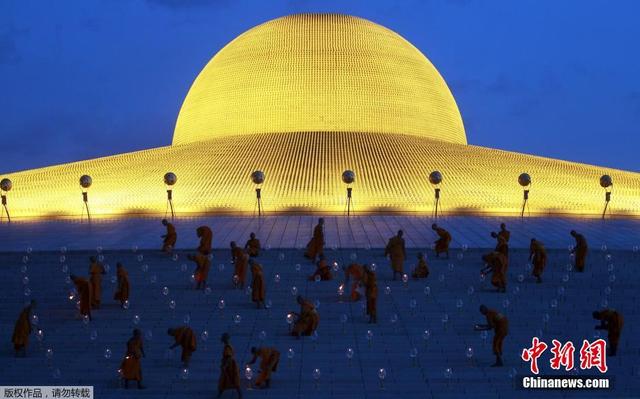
{"x":591,"y":355}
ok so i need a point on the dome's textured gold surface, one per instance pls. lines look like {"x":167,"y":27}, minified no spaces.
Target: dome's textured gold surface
{"x":319,"y":73}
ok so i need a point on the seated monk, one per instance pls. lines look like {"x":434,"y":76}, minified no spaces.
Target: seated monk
{"x":270,"y":357}
{"x":240,"y":260}
{"x":322,"y":270}
{"x":356,"y":272}
{"x":203,"y":264}
{"x":500,"y":325}
{"x":580,"y":250}
{"x":538,"y":256}
{"x":308,"y":319}
{"x":257,"y":284}
{"x":252,"y":246}
{"x":612,"y":321}
{"x":422,"y":269}
{"x":84,"y":294}
{"x":22,"y":330}
{"x":96,"y":270}
{"x":497,"y":266}
{"x":315,"y":246}
{"x":169,"y":239}
{"x":130,"y":368}
{"x":396,"y":252}
{"x":205,"y":235}
{"x":186,"y":339}
{"x":443,"y":241}
{"x":371,"y":292}
{"x":229,"y":370}
{"x":122,"y":293}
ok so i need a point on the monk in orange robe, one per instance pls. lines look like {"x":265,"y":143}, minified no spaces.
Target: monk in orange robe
{"x":501,"y":244}
{"x":307,"y":320}
{"x":22,"y":330}
{"x":96,"y":270}
{"x":229,"y":370}
{"x":84,"y":293}
{"x":538,"y":256}
{"x":257,"y":284}
{"x":270,"y":357}
{"x":186,"y":339}
{"x":240,"y":261}
{"x":504,"y":233}
{"x":356,"y":272}
{"x":497,"y":266}
{"x":612,"y":321}
{"x":315,"y":246}
{"x":252,"y":246}
{"x":322,"y":270}
{"x":443,"y":241}
{"x":203,"y":264}
{"x":205,"y":235}
{"x":500,"y":325}
{"x":580,"y":250}
{"x":122,"y":293}
{"x":169,"y":239}
{"x":396,"y":251}
{"x":422,"y":268}
{"x":131,"y":368}
{"x":371,"y":293}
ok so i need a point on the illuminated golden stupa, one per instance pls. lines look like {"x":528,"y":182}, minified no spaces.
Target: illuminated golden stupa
{"x":303,"y":98}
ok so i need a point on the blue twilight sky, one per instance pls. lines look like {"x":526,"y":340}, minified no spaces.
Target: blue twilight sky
{"x":88,"y":78}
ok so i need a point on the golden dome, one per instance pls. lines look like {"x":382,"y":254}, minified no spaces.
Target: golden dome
{"x":319,"y":73}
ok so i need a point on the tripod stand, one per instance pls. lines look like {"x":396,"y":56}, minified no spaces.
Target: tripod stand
{"x":6,"y":210}
{"x":437,"y":198}
{"x":525,"y":202}
{"x":607,"y":199}
{"x":348,"y":206}
{"x":169,"y":204}
{"x":85,"y":199}
{"x":258,"y":202}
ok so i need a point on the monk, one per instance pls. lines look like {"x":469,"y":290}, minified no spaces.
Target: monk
{"x":252,"y":246}
{"x":229,"y":371}
{"x":96,"y":270}
{"x":203,"y":264}
{"x":240,"y":260}
{"x":130,"y":368}
{"x":612,"y":321}
{"x":122,"y":293}
{"x":169,"y":239}
{"x":186,"y":339}
{"x":371,"y":292}
{"x":580,"y":250}
{"x":84,"y":293}
{"x":501,"y":244}
{"x":356,"y":272}
{"x":22,"y":330}
{"x":504,"y":233}
{"x":322,"y":270}
{"x":205,"y":235}
{"x":538,"y":257}
{"x":270,"y":357}
{"x":422,"y":268}
{"x":315,"y":246}
{"x":497,"y":266}
{"x":443,"y":241}
{"x":500,"y":325}
{"x":257,"y":284}
{"x":396,"y":251}
{"x":308,"y":319}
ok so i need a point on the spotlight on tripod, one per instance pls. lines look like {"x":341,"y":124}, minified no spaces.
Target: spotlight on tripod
{"x":85,"y":183}
{"x":348,"y":177}
{"x":525,"y":181}
{"x":5,"y":186}
{"x":435,"y":178}
{"x":607,"y":183}
{"x":170,"y":179}
{"x":257,"y":177}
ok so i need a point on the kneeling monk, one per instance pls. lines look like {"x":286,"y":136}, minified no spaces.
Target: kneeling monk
{"x":270,"y":357}
{"x":186,"y":339}
{"x":422,"y":269}
{"x":308,"y":319}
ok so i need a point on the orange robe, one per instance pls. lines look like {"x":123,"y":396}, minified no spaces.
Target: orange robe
{"x":356,"y":272}
{"x":203,"y":264}
{"x":580,"y":252}
{"x":253,"y":247}
{"x":122,"y":294}
{"x":131,"y":366}
{"x":84,"y":292}
{"x":240,"y":262}
{"x":421,"y":270}
{"x":206,"y":236}
{"x":269,"y":359}
{"x":500,"y":325}
{"x":502,"y":246}
{"x":22,"y":329}
{"x":257,"y":284}
{"x":308,"y":319}
{"x":539,"y":258}
{"x":443,"y":241}
{"x":315,"y":247}
{"x":322,"y":270}
{"x":395,"y":249}
{"x":614,"y":322}
{"x":371,"y":292}
{"x":498,"y":263}
{"x":185,"y":337}
{"x":96,"y":270}
{"x":229,"y":371}
{"x":506,"y":234}
{"x":170,"y":239}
